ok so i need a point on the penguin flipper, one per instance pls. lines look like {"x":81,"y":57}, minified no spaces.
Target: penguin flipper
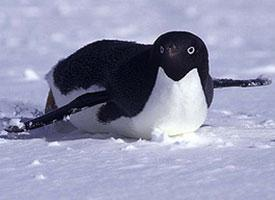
{"x":208,"y":87}
{"x":260,"y":81}
{"x":81,"y":102}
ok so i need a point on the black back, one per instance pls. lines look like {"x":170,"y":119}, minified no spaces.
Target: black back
{"x":121,"y":67}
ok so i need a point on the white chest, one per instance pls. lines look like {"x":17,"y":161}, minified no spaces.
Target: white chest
{"x":174,"y":107}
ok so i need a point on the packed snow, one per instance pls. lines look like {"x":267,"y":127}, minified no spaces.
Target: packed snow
{"x":230,"y":157}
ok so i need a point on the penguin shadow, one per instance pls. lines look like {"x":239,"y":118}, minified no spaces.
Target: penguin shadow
{"x":52,"y":133}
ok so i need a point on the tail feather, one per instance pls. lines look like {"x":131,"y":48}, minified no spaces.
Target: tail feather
{"x":260,"y":81}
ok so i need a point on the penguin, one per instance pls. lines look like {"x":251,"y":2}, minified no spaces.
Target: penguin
{"x":134,"y":89}
{"x":164,"y":86}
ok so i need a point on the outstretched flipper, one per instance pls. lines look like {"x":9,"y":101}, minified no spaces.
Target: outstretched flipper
{"x":81,"y":102}
{"x":260,"y":81}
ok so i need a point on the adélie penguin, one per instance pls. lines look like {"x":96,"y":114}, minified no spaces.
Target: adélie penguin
{"x":134,"y":89}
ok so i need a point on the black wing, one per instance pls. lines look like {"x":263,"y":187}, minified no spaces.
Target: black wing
{"x":260,"y":81}
{"x":78,"y":104}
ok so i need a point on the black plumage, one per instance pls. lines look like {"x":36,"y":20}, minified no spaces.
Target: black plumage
{"x":121,"y":67}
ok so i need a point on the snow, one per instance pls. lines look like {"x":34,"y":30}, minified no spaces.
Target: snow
{"x":230,"y":157}
{"x":35,"y":163}
{"x":269,"y":69}
{"x":16,"y":122}
{"x":40,"y":177}
{"x":30,"y":75}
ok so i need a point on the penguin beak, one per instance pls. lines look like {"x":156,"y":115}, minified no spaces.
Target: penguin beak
{"x":173,"y":51}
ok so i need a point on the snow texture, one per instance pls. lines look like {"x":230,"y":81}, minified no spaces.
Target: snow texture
{"x":230,"y":157}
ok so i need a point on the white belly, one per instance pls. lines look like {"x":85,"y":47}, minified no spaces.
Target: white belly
{"x":173,"y":108}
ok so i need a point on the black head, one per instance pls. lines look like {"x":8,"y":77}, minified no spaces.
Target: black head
{"x":178,"y":53}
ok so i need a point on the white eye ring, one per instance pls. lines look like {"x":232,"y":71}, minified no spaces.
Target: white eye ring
{"x":161,"y":49}
{"x":191,"y":50}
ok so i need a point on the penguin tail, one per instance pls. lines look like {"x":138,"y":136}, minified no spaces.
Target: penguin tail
{"x":260,"y":81}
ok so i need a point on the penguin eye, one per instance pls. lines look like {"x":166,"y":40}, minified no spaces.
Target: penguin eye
{"x":161,"y":49}
{"x":191,"y":50}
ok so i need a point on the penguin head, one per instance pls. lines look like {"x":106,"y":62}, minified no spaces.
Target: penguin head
{"x":178,"y":53}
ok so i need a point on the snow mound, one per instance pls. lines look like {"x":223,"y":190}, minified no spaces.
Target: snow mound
{"x":35,"y":163}
{"x":40,"y":177}
{"x":189,"y":140}
{"x":31,"y":75}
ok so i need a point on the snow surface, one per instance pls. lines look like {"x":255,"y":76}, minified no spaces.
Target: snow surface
{"x":231,"y":157}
